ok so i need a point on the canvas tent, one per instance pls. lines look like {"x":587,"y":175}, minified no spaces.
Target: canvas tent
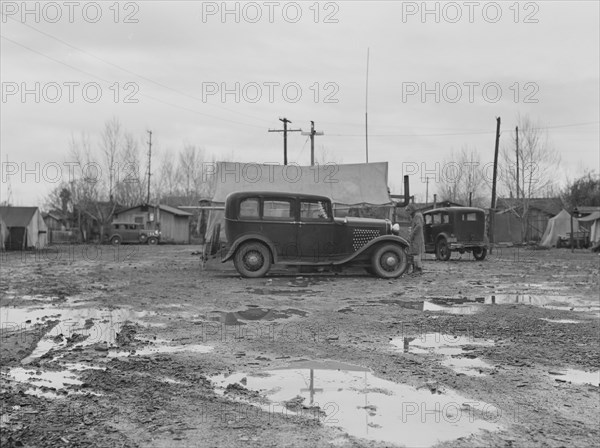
{"x":558,"y":226}
{"x":26,"y":228}
{"x":594,"y":220}
{"x":347,"y":185}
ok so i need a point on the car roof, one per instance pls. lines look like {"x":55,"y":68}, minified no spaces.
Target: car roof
{"x":127,"y":222}
{"x":238,"y":195}
{"x":455,"y":209}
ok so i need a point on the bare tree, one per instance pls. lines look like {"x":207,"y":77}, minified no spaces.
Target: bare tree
{"x":529,"y":169}
{"x":462,"y":178}
{"x":130,"y":182}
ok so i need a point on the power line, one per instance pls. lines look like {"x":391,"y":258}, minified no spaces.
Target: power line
{"x":132,"y":72}
{"x":142,"y":94}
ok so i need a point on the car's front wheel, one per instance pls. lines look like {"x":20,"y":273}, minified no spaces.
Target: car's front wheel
{"x":442,"y":250}
{"x":389,"y":261}
{"x":252,"y":260}
{"x":116,"y":240}
{"x":152,"y":241}
{"x":479,"y":253}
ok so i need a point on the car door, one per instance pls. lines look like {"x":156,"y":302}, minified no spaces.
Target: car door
{"x":278,"y":222}
{"x":316,"y":237}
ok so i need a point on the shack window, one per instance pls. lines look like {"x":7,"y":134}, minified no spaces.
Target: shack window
{"x":249,"y":208}
{"x":277,"y":210}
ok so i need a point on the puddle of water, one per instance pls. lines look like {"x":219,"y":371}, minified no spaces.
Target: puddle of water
{"x":145,"y":351}
{"x":363,"y":405}
{"x":92,"y":324}
{"x":40,"y":381}
{"x":468,"y":366}
{"x":451,"y":347}
{"x":472,"y":306}
{"x":562,"y":321}
{"x":564,"y":303}
{"x":253,"y":314}
{"x":578,"y":376}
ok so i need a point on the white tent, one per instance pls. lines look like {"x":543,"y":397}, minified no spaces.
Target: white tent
{"x":558,"y":226}
{"x":345,"y":184}
{"x":594,"y":218}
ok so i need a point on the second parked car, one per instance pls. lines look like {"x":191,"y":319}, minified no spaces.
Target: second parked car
{"x":131,"y":232}
{"x":460,"y":229}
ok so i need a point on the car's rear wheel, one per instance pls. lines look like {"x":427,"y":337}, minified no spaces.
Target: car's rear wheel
{"x":115,"y":240}
{"x":152,"y":241}
{"x":389,"y":261}
{"x":442,"y":250}
{"x":252,"y":260}
{"x":479,"y":253}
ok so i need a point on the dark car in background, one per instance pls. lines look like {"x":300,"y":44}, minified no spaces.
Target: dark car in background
{"x":131,"y":233}
{"x":460,"y":229}
{"x":264,"y":228}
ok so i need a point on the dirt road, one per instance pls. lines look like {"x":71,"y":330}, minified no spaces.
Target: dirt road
{"x":138,"y":346}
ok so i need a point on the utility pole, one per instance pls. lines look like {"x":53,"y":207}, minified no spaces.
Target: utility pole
{"x":427,"y":190}
{"x":149,"y":159}
{"x":312,"y":134}
{"x":285,"y":131}
{"x":517,"y":150}
{"x":366,"y":111}
{"x":493,"y":208}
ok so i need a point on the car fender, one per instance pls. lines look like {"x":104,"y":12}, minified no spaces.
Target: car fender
{"x":381,"y":239}
{"x":254,"y":237}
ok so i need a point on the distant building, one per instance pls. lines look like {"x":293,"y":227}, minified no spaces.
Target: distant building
{"x":508,"y":221}
{"x":173,"y":223}
{"x":25,"y":228}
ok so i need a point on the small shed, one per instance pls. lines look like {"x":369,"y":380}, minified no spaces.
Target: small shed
{"x":172,"y":222}
{"x":25,"y":228}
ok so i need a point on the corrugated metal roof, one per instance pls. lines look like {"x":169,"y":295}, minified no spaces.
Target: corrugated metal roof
{"x":17,"y":216}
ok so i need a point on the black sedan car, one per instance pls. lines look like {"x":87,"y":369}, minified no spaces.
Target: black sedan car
{"x":263,"y":228}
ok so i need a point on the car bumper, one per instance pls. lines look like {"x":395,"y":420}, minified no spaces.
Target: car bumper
{"x":469,"y":245}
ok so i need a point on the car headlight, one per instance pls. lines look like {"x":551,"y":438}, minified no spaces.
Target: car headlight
{"x":396,"y":228}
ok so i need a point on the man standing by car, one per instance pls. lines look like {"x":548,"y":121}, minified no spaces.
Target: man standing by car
{"x":416,"y":239}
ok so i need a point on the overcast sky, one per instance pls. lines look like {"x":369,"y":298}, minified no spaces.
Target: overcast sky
{"x":304,"y":61}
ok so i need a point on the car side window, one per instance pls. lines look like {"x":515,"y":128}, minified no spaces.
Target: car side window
{"x":428,"y":219}
{"x":249,"y":208}
{"x":314,"y":210}
{"x":469,"y":216}
{"x":437,"y":218}
{"x":445,"y":218}
{"x":277,"y":210}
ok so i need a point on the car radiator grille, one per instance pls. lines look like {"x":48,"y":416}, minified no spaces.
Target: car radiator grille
{"x":363,"y":236}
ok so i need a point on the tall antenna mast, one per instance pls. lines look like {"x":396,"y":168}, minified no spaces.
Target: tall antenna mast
{"x":366,"y":111}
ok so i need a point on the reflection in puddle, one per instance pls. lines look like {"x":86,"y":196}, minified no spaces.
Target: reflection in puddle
{"x":562,"y":321}
{"x":145,"y":351}
{"x":564,"y":303}
{"x":472,"y":306}
{"x":452,"y":347}
{"x":578,"y":377}
{"x":46,"y":383}
{"x":362,"y":404}
{"x":76,"y":326}
{"x":253,"y":314}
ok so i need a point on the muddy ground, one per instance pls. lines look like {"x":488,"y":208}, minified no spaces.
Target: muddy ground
{"x":140,"y":346}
